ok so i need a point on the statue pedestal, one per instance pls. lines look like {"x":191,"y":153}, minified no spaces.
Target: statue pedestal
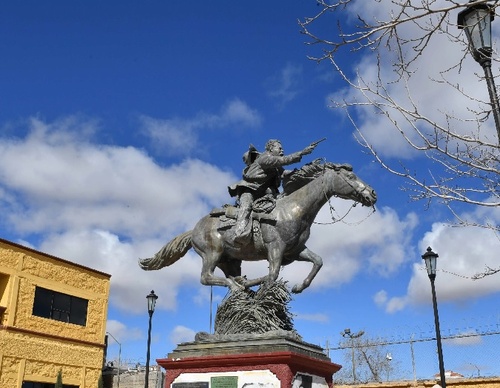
{"x":248,"y":362}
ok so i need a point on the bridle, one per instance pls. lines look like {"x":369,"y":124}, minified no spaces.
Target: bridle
{"x":357,"y":189}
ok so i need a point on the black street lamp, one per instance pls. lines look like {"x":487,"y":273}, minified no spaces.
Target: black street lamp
{"x":430,"y":259}
{"x":151,"y":309}
{"x":476,"y":20}
{"x":347,"y":333}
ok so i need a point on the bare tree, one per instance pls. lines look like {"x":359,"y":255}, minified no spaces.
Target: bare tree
{"x":489,"y":271}
{"x":398,"y":59}
{"x":365,"y":360}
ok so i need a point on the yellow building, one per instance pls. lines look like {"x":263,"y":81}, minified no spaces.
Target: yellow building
{"x":52,"y":317}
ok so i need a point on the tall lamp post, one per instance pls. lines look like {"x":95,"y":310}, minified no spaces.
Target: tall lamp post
{"x":476,"y":20}
{"x":430,"y":259}
{"x":151,"y":309}
{"x":347,"y":333}
{"x":119,"y":356}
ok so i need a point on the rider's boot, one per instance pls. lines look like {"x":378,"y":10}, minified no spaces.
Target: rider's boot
{"x":242,"y":231}
{"x":243,"y":228}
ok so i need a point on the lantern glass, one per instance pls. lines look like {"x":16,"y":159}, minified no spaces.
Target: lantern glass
{"x":430,"y":259}
{"x":476,"y":20}
{"x":151,"y":301}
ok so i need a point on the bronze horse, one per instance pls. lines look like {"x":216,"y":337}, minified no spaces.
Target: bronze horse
{"x":279,"y":237}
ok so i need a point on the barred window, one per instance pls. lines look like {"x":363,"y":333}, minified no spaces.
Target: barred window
{"x":32,"y":384}
{"x":60,"y":307}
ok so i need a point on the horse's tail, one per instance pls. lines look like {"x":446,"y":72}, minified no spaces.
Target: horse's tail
{"x":169,"y":254}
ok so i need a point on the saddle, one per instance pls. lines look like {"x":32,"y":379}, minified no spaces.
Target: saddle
{"x":261,"y":212}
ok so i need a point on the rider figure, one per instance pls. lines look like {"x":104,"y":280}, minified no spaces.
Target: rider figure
{"x":261,"y":176}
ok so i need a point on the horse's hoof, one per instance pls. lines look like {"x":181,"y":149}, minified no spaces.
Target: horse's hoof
{"x":240,"y":280}
{"x":297,"y":289}
{"x":234,"y":286}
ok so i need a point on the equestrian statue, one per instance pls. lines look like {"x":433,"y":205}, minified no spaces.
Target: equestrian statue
{"x":265,"y":224}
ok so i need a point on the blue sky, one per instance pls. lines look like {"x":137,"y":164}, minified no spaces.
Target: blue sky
{"x":123,"y":123}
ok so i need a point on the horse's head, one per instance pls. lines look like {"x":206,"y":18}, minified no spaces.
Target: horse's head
{"x":357,"y":190}
{"x":345,"y":184}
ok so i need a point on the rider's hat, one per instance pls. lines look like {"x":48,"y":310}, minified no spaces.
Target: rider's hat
{"x":250,"y":156}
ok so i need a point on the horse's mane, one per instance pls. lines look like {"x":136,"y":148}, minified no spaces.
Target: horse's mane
{"x":297,"y":178}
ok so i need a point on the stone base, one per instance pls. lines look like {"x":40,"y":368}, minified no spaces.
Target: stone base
{"x":264,"y":362}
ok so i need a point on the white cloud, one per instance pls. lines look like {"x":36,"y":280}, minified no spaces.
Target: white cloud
{"x":76,"y":184}
{"x":179,"y":136}
{"x":121,"y":332}
{"x":463,"y":252}
{"x":237,"y":112}
{"x":319,"y":317}
{"x":466,"y":338}
{"x":173,"y":136}
{"x":181,"y":334}
{"x":284,"y":86}
{"x":205,"y":294}
{"x":362,"y":241}
{"x":396,"y":304}
{"x":380,"y":298}
{"x":106,"y":206}
{"x":438,"y":89}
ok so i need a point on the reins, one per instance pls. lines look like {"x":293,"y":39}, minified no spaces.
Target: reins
{"x":331,"y":208}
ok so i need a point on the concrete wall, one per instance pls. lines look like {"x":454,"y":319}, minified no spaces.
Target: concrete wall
{"x":137,"y":379}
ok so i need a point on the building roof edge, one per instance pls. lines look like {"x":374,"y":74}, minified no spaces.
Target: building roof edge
{"x":19,"y":246}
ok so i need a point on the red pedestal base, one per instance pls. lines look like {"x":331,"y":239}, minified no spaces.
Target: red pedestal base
{"x":289,"y":363}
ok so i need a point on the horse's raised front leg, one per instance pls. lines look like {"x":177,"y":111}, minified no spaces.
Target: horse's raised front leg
{"x":210,"y":261}
{"x":316,"y":260}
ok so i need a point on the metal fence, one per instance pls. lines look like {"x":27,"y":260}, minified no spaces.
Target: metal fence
{"x":471,"y":352}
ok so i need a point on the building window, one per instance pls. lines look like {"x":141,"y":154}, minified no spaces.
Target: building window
{"x":4,"y":281}
{"x":61,"y":307}
{"x":32,"y":384}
